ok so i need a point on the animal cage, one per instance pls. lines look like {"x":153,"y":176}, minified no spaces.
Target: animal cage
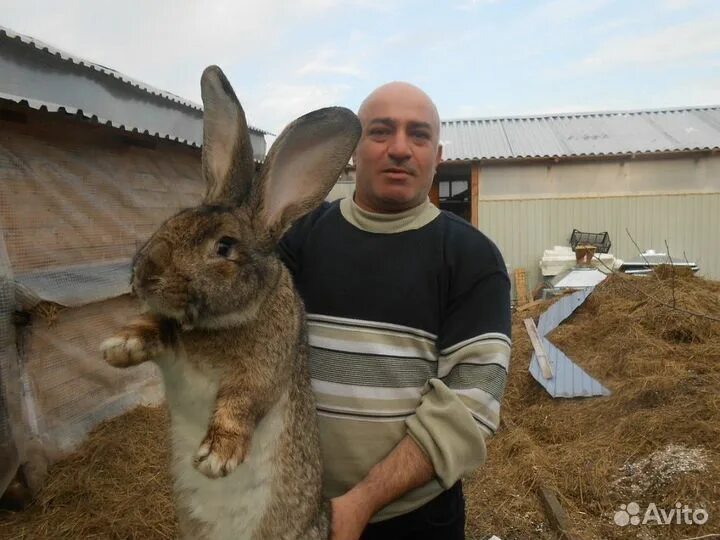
{"x":75,"y":204}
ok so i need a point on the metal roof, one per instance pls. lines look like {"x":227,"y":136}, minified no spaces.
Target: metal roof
{"x":40,"y":76}
{"x":616,"y":133}
{"x":569,"y":379}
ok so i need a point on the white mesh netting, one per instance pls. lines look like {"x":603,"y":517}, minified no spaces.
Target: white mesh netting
{"x":76,"y":200}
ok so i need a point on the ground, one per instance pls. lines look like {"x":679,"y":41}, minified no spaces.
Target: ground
{"x":655,"y":440}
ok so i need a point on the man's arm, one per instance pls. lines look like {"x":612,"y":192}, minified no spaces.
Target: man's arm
{"x":458,"y":411}
{"x":407,"y":467}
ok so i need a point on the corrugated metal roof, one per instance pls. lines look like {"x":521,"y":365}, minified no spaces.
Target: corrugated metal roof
{"x":688,"y":129}
{"x":41,"y":45}
{"x":43,"y":77}
{"x":569,"y":380}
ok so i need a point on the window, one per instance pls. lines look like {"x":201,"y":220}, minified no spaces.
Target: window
{"x":454,"y":191}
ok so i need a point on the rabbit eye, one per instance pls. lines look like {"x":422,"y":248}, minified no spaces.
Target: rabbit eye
{"x":225,"y":245}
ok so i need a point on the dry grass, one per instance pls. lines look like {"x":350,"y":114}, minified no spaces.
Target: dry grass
{"x":115,"y":486}
{"x":662,"y":366}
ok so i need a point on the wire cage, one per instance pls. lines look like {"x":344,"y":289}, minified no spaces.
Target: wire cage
{"x":601,"y":241}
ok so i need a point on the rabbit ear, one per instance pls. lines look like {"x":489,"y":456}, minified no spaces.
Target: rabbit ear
{"x":302,"y":166}
{"x":227,"y":155}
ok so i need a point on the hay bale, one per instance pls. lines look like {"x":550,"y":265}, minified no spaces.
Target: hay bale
{"x":116,"y":485}
{"x":663,"y":367}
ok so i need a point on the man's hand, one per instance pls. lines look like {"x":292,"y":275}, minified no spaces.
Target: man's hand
{"x":405,"y":468}
{"x":350,"y":516}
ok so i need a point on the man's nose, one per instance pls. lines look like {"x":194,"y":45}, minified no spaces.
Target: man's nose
{"x":399,"y":149}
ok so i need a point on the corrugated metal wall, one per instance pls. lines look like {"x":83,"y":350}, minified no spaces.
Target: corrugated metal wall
{"x":522,"y":229}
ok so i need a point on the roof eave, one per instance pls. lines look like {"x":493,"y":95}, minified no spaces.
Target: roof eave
{"x":585,"y":157}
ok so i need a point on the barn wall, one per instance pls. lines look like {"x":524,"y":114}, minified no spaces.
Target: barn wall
{"x":601,"y":178}
{"x":529,"y":208}
{"x":72,"y":193}
{"x":689,"y":223}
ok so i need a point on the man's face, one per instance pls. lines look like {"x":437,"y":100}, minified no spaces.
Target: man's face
{"x":398,"y":152}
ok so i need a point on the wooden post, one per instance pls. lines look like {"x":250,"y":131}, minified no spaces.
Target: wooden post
{"x":435,"y":192}
{"x":521,"y":288}
{"x":556,"y":514}
{"x":474,"y":193}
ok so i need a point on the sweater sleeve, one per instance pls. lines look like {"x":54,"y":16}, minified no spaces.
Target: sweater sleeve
{"x":460,"y":408}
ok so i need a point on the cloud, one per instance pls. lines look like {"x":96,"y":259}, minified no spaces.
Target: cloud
{"x":165,"y":43}
{"x":328,"y":61}
{"x":564,"y":11}
{"x":676,"y":5}
{"x":681,"y":43}
{"x":689,"y":92}
{"x":282,"y":102}
{"x":471,"y":5}
{"x":492,"y":111}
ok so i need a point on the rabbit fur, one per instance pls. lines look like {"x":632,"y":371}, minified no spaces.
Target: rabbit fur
{"x":226,"y":327}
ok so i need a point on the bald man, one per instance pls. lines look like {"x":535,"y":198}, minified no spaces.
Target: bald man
{"x":409,"y":328}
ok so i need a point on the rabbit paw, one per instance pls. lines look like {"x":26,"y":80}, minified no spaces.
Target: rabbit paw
{"x":133,"y":345}
{"x":219,"y":455}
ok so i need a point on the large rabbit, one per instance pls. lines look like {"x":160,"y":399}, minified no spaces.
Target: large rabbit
{"x":226,"y":327}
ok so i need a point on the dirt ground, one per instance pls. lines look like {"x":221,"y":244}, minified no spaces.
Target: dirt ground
{"x":656,"y":439}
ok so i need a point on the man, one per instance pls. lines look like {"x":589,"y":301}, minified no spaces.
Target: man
{"x":409,"y":328}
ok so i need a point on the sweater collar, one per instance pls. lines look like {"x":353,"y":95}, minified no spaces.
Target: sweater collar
{"x":408,"y":220}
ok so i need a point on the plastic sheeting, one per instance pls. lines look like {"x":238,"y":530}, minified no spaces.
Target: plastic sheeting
{"x":72,"y":388}
{"x":74,"y":286}
{"x":76,"y":201}
{"x":9,"y":380}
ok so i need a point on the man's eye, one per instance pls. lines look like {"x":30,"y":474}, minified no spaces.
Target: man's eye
{"x":421,"y":135}
{"x":224,"y":246}
{"x":378,"y":132}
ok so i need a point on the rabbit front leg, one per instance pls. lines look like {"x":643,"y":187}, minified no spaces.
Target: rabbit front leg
{"x":145,"y":338}
{"x":239,"y":406}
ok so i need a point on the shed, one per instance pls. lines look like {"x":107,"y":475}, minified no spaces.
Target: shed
{"x":528,"y":181}
{"x":91,"y":162}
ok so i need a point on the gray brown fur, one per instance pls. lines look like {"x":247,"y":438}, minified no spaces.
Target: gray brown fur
{"x":229,"y":308}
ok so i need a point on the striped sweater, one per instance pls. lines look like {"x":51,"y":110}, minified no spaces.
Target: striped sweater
{"x":409,"y":333}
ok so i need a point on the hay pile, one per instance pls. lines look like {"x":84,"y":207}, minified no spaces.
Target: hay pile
{"x":116,"y":486}
{"x":655,"y":440}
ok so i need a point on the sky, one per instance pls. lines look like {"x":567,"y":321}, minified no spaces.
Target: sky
{"x":475,"y":58}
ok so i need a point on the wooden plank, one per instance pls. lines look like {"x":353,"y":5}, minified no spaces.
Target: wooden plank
{"x":539,"y":351}
{"x":475,"y":194}
{"x":521,"y":286}
{"x":556,"y":514}
{"x":529,"y":305}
